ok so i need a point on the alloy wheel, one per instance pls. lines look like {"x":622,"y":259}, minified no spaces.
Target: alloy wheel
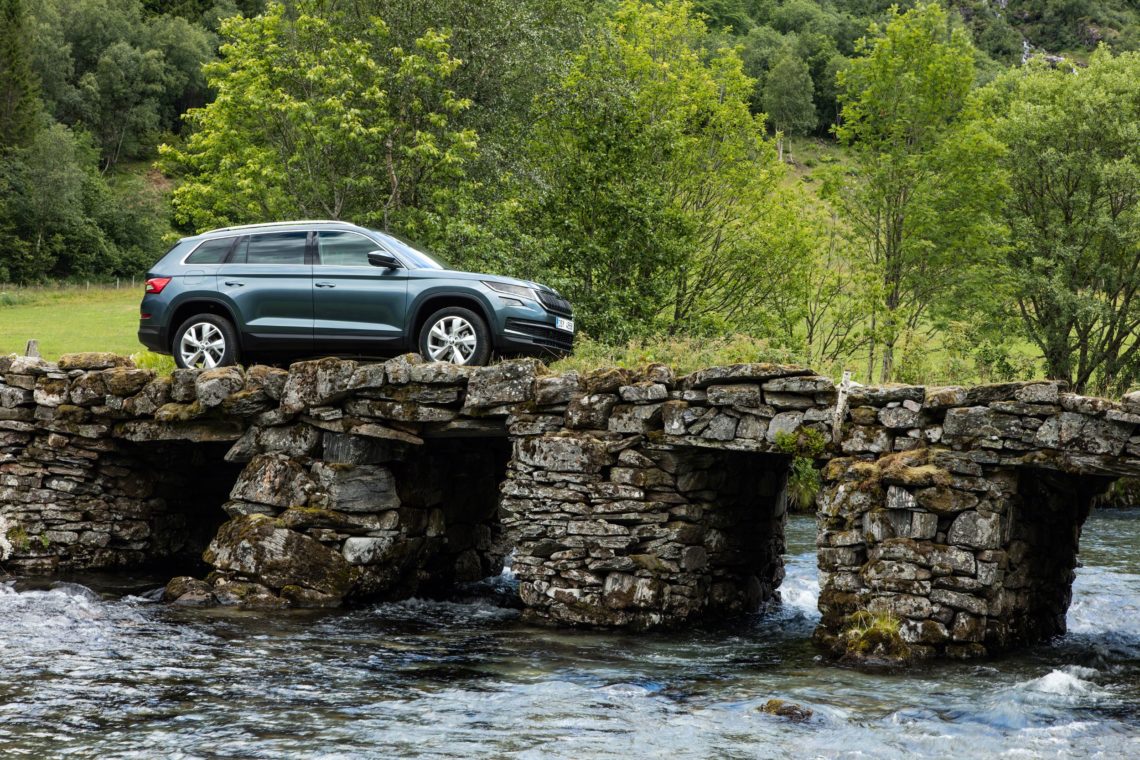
{"x":452,"y":339}
{"x":202,"y":345}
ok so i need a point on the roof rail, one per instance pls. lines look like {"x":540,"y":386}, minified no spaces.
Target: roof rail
{"x":275,"y":224}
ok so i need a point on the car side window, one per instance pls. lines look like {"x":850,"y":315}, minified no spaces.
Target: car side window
{"x":272,"y":248}
{"x":345,"y":249}
{"x":211,"y":251}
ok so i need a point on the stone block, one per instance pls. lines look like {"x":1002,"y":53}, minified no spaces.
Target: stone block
{"x":643,"y":392}
{"x":316,"y":383}
{"x":356,"y":488}
{"x":976,"y":530}
{"x":784,"y":422}
{"x":257,"y":548}
{"x":743,"y":395}
{"x":213,"y":386}
{"x":564,"y":453}
{"x":510,"y":382}
{"x":557,"y":389}
{"x":635,"y":418}
{"x":93,"y":360}
{"x":741,"y":373}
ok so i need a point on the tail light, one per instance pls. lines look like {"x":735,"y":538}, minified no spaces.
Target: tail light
{"x":156,"y":284}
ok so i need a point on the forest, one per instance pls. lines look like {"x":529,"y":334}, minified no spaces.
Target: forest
{"x":913,"y":191}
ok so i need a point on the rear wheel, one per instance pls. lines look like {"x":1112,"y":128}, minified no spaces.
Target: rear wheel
{"x":456,"y":335}
{"x":205,"y":341}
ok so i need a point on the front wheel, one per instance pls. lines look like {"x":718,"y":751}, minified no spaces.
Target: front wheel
{"x":205,"y":341}
{"x":456,"y":335}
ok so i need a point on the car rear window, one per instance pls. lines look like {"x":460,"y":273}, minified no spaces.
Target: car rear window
{"x":211,"y":251}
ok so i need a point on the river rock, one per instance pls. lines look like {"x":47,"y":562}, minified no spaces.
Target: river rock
{"x":258,"y":548}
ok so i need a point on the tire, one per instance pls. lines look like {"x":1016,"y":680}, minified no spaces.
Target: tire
{"x":216,"y":332}
{"x":456,"y":335}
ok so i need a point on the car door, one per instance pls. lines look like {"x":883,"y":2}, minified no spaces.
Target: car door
{"x":269,"y":280}
{"x":357,"y":308}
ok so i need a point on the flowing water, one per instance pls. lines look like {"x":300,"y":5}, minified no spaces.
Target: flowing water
{"x":109,"y":674}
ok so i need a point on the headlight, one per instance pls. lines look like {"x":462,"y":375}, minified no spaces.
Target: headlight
{"x":521,"y":291}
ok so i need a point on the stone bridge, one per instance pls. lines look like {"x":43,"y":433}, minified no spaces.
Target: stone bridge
{"x":629,"y":499}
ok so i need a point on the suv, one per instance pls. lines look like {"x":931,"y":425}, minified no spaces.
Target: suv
{"x":295,"y":289}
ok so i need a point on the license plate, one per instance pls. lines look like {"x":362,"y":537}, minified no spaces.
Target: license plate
{"x":564,"y":324}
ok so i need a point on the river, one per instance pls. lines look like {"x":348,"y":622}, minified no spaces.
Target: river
{"x":95,"y":670}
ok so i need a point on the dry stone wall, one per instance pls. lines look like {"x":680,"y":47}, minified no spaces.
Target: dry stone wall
{"x":635,"y":499}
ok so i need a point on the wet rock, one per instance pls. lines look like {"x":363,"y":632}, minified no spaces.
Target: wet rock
{"x":622,"y":591}
{"x":188,"y":592}
{"x":258,"y":548}
{"x":790,"y":710}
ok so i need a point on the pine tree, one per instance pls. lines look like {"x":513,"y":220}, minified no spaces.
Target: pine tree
{"x":19,"y":96}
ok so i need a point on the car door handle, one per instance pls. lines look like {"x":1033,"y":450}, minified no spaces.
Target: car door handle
{"x":324,"y":284}
{"x":235,"y":284}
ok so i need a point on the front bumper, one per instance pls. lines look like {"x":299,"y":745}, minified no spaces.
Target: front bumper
{"x":521,"y":336}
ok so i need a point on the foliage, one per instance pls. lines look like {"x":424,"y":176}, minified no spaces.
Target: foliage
{"x":653,"y":177}
{"x":358,"y":130}
{"x":874,"y":634}
{"x":788,"y":92}
{"x":919,"y":199}
{"x":684,"y":354}
{"x":19,"y":101}
{"x":1072,"y":211}
{"x":804,"y":483}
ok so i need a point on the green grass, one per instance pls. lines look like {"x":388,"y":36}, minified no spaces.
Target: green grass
{"x":70,"y":318}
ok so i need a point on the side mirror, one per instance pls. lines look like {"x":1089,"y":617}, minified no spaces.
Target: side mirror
{"x":383,"y":259}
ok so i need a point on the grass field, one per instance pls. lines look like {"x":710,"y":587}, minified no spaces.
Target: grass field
{"x":67,"y":319}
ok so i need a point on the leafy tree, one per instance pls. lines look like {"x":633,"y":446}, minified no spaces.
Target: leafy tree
{"x":1072,"y":154}
{"x":918,"y":198}
{"x":312,"y":121}
{"x":788,"y":95}
{"x":652,"y":176}
{"x":19,"y":101}
{"x":120,"y":100}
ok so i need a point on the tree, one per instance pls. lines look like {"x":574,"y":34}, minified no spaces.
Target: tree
{"x":19,"y":99}
{"x":788,"y":93}
{"x":313,"y":121}
{"x":121,"y":100}
{"x":1072,"y":154}
{"x":919,"y":196}
{"x":651,"y":176}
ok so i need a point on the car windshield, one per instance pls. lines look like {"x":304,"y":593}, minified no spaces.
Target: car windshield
{"x":417,"y":258}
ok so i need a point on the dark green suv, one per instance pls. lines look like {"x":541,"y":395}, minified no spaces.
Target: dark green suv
{"x":295,"y":289}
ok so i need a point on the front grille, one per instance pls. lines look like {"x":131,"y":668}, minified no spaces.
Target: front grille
{"x":555,"y":303}
{"x":543,"y":335}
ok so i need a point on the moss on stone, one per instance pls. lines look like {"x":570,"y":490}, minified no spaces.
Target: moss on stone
{"x":874,"y":637}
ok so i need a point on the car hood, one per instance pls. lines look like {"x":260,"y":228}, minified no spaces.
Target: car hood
{"x":449,"y":274}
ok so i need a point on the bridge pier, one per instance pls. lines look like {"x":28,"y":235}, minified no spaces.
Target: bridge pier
{"x":971,"y":559}
{"x":608,"y":534}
